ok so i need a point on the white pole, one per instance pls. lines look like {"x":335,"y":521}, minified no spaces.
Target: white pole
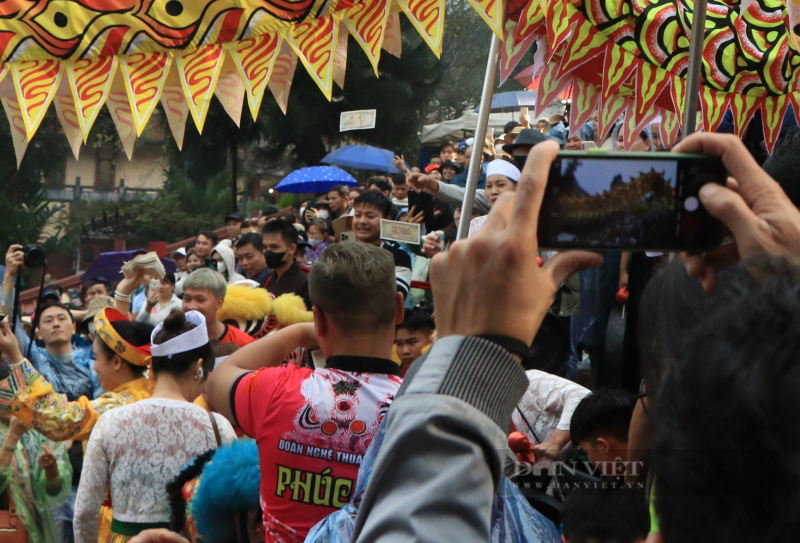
{"x":695,"y":64}
{"x":480,"y":136}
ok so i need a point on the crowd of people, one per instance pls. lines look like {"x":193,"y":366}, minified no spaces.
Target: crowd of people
{"x":300,"y":378}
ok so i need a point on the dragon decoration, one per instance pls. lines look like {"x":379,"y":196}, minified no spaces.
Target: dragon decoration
{"x":615,"y":56}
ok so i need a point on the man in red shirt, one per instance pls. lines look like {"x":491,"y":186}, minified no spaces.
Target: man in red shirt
{"x":313,"y":426}
{"x":204,"y":291}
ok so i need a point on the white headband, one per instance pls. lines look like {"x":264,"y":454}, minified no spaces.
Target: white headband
{"x":194,"y":338}
{"x":503,"y":167}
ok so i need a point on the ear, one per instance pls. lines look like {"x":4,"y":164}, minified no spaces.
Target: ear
{"x":603,"y":444}
{"x":400,"y":310}
{"x":117,"y":362}
{"x":320,"y":322}
{"x":220,"y":301}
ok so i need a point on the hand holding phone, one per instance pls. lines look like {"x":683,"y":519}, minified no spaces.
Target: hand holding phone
{"x":629,"y":201}
{"x":422,"y":202}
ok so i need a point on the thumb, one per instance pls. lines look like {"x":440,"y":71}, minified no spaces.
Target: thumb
{"x":730,"y":208}
{"x":565,"y":264}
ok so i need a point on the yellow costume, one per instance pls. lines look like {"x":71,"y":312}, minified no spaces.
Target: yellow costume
{"x":31,"y":398}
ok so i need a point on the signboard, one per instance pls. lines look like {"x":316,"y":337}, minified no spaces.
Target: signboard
{"x":362,"y":119}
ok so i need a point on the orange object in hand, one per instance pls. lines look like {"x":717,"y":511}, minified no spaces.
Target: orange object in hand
{"x":622,"y":295}
{"x":522,"y":447}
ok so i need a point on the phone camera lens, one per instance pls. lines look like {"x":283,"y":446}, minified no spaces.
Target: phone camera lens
{"x":691,"y":204}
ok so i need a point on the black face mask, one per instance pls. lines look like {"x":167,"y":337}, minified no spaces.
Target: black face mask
{"x":274,"y":260}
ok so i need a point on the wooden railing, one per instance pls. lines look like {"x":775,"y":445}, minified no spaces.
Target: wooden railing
{"x":27,"y":298}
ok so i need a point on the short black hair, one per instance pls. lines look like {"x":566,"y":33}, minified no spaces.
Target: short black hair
{"x":98,"y":281}
{"x":383,"y":184}
{"x":784,"y":163}
{"x":343,"y":191}
{"x":447,"y":144}
{"x":251,"y":239}
{"x":375,"y":198}
{"x":286,"y":231}
{"x":398,"y":178}
{"x":607,"y":411}
{"x":417,"y":319}
{"x":725,"y":450}
{"x":41,"y":309}
{"x":605,"y":515}
{"x":510,"y":125}
{"x":210,"y":235}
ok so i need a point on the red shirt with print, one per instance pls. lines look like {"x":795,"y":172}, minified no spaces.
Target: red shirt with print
{"x":236,"y":336}
{"x":313,"y":428}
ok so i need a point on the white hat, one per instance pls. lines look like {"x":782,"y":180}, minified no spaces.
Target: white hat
{"x":194,"y":338}
{"x":503,"y":167}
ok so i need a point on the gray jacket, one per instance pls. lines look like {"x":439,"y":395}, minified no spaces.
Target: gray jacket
{"x":454,"y":195}
{"x":446,"y":438}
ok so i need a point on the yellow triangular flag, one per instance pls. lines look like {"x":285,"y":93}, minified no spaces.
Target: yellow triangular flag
{"x":198,"y":72}
{"x":254,"y":58}
{"x":90,"y":82}
{"x":35,"y":82}
{"x":143,"y":75}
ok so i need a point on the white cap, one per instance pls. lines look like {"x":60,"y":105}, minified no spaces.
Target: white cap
{"x":503,"y":167}
{"x":194,"y":338}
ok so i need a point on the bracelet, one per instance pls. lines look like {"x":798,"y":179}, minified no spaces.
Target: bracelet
{"x":514,"y":346}
{"x":8,"y":447}
{"x":122,"y":297}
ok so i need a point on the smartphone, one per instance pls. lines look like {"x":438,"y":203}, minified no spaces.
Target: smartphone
{"x":588,"y":145}
{"x":422,"y":201}
{"x":73,"y":294}
{"x":153,"y":286}
{"x":629,"y":201}
{"x":347,"y":236}
{"x":211,"y":263}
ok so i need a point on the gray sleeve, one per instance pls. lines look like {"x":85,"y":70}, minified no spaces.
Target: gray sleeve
{"x":454,"y":195}
{"x":446,"y":434}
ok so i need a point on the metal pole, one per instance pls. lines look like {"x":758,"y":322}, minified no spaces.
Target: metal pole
{"x":480,"y":136}
{"x":234,"y":152}
{"x":695,"y":65}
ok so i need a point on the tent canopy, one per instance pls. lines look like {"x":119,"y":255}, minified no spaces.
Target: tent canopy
{"x":464,"y":127}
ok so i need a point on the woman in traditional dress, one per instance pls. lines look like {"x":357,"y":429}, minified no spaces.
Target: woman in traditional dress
{"x":137,"y":449}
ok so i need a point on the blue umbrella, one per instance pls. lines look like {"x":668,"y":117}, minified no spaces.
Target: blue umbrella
{"x":362,"y":157}
{"x":512,"y":101}
{"x":315,"y":179}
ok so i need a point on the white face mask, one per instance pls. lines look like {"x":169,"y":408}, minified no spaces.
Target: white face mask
{"x":323,"y":213}
{"x":221,"y":268}
{"x":314,"y":242}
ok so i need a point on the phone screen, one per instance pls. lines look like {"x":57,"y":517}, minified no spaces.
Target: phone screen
{"x":629,"y":201}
